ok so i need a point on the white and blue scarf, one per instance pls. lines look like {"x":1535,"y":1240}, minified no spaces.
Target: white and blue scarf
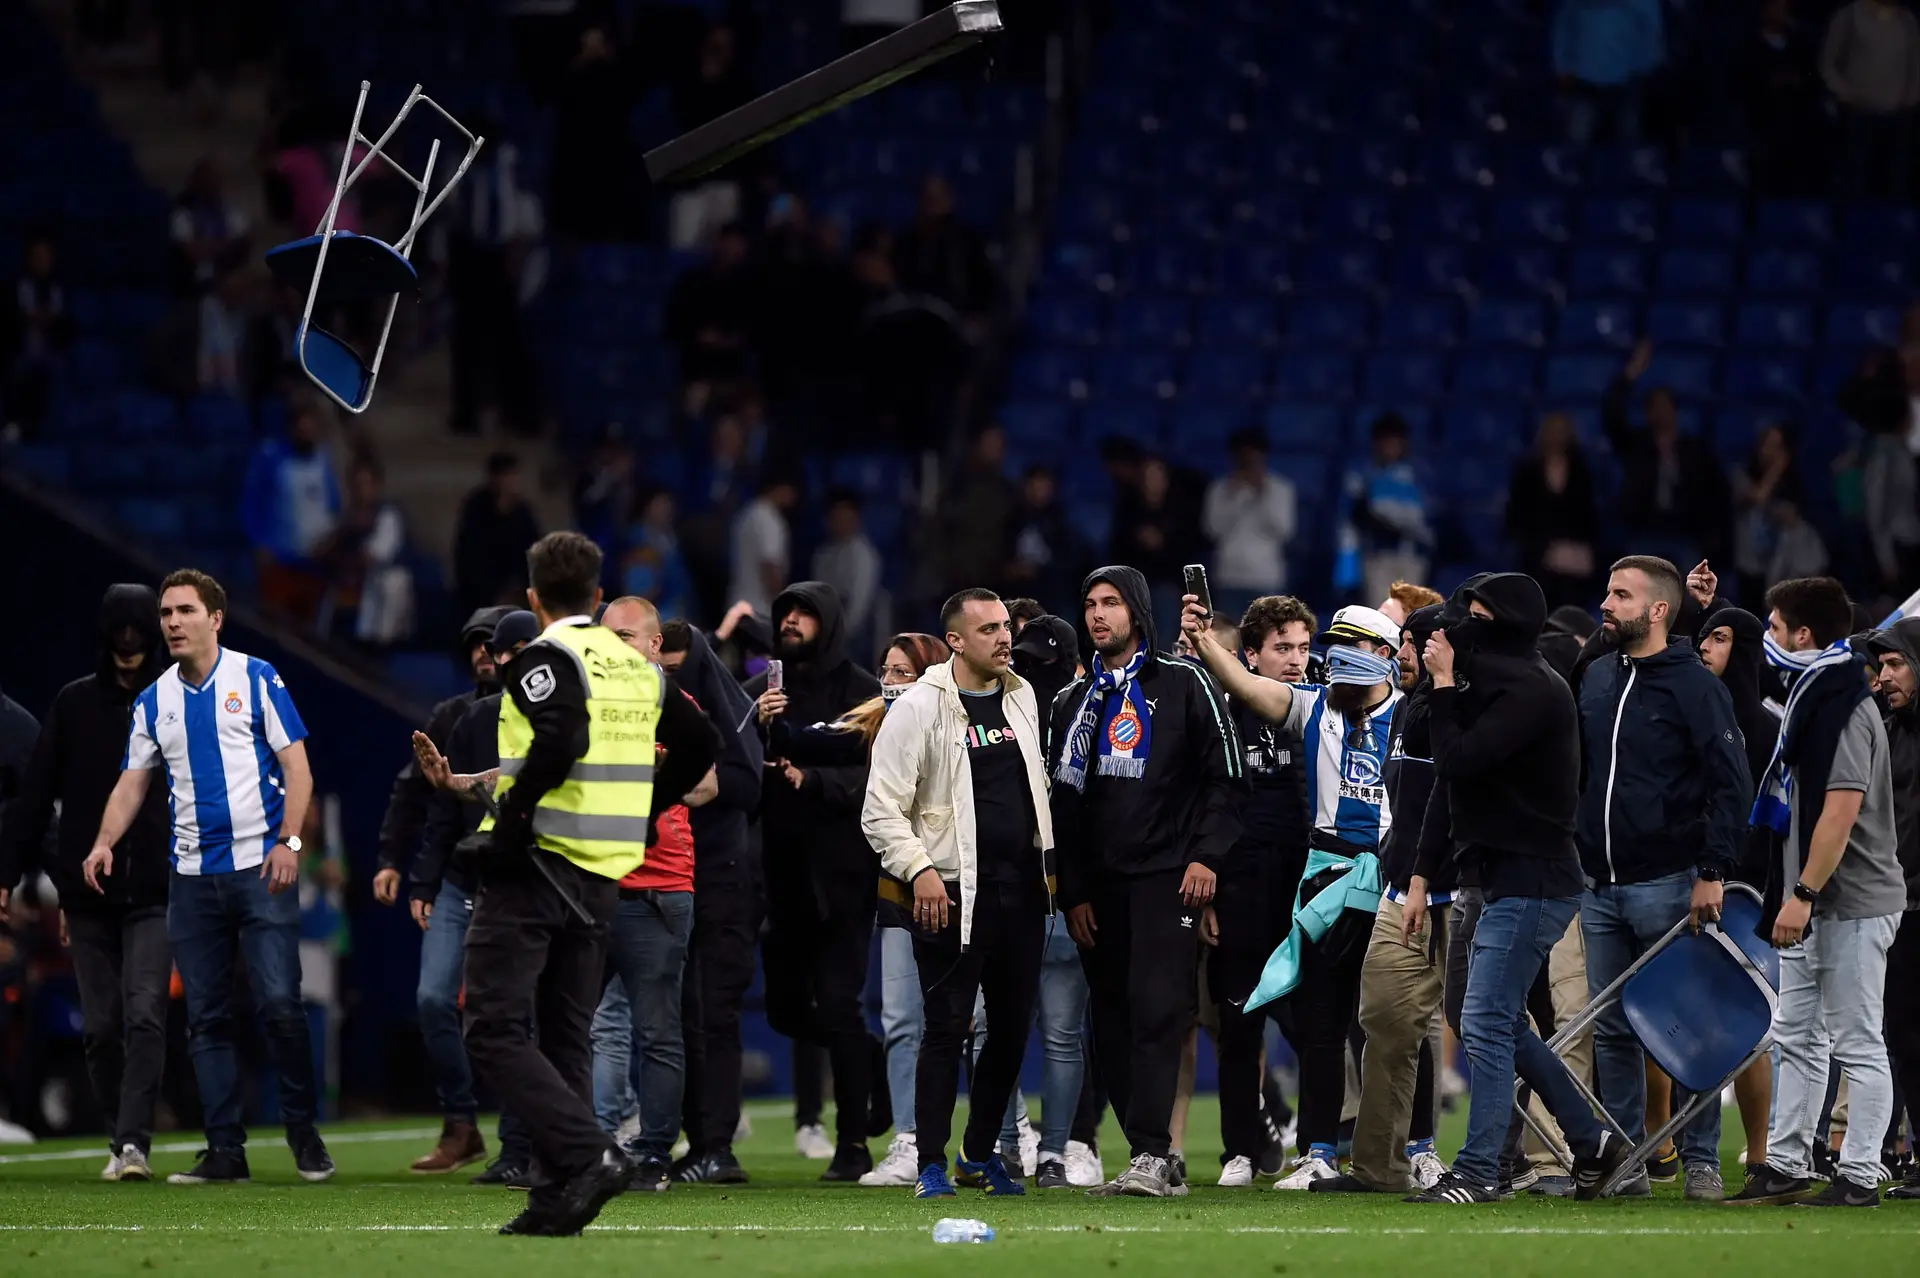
{"x":1773,"y":803}
{"x":1115,"y":724}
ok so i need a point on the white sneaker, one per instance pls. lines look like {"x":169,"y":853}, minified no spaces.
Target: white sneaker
{"x":1238,"y":1173}
{"x":743,"y":1130}
{"x":1306,"y":1172}
{"x":812,"y":1142}
{"x":1029,"y":1149}
{"x":116,"y":1168}
{"x":1427,"y":1170}
{"x":900,"y":1168}
{"x":14,"y":1134}
{"x":1084,"y":1168}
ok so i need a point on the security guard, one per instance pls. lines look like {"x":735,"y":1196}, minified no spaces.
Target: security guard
{"x":578,"y":734}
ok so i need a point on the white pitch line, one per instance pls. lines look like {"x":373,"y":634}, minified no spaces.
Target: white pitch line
{"x":194,"y":1146}
{"x":1014,"y":1230}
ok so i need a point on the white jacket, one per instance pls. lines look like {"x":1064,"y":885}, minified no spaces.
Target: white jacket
{"x":919,"y":806}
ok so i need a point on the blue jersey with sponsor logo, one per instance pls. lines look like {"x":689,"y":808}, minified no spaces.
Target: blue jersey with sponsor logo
{"x":1346,"y":766}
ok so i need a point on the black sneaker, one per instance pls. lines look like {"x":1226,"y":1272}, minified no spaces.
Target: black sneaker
{"x":650,"y":1176}
{"x":1907,"y":1190}
{"x":710,"y":1169}
{"x":224,"y":1166}
{"x":1767,"y":1187}
{"x":1665,"y":1170}
{"x":505,"y":1171}
{"x":310,"y":1157}
{"x":1458,"y":1190}
{"x":1344,"y":1185}
{"x":850,"y":1163}
{"x":1052,"y":1174}
{"x":1841,"y":1192}
{"x":1591,"y":1174}
{"x":534,"y":1222}
{"x":579,"y":1199}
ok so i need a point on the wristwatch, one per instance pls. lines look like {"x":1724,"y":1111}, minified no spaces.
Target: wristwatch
{"x":1709,"y":874}
{"x":292,"y":841}
{"x":1805,"y":893}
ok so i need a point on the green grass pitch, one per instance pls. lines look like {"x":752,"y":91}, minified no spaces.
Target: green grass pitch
{"x":373,"y":1218}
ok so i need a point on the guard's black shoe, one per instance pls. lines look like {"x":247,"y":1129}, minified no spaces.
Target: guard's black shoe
{"x":578,"y":1201}
{"x":1456,"y":1190}
{"x":1841,"y":1192}
{"x":223,"y":1166}
{"x":510,"y":1172}
{"x":310,"y":1157}
{"x":651,"y":1176}
{"x":1767,"y":1187}
{"x":710,"y":1169}
{"x":534,"y":1222}
{"x":1591,"y":1174}
{"x":850,"y":1163}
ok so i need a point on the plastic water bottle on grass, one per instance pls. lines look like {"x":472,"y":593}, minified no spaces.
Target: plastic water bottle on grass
{"x":962,"y":1231}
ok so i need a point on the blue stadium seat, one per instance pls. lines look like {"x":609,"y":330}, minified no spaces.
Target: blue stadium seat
{"x":1058,"y":373}
{"x":1444,"y":217}
{"x":1689,"y":323}
{"x":1257,"y":266}
{"x":1179,"y":268}
{"x":1686,"y":373}
{"x":1310,"y":474}
{"x":1315,"y":374}
{"x":1203,"y":426}
{"x":1330,"y":321}
{"x":1349,"y":266}
{"x":1591,"y":322}
{"x":1394,"y":375}
{"x":1713,"y":170}
{"x":1615,"y":219}
{"x":1065,"y":320}
{"x":1135,"y":420}
{"x":1607,"y":270}
{"x":1521,"y":270}
{"x":1801,"y":223}
{"x":1856,"y":324}
{"x":1832,"y":370}
{"x":1768,"y":325}
{"x":1129,"y":373}
{"x":1089,"y":266}
{"x":1697,"y":271}
{"x":1498,"y":321}
{"x":1736,"y":427}
{"x":1152,"y":321}
{"x":1357,"y":215}
{"x":1431,"y":268}
{"x":1421,"y":321}
{"x":1551,"y":166}
{"x":1704,"y":220}
{"x":1037,"y":421}
{"x":1779,"y":374}
{"x":219,"y":419}
{"x":1882,"y":227}
{"x":1293,"y":162}
{"x":1775,"y":269}
{"x":1239,"y":321}
{"x":1483,"y":429}
{"x":1468,"y":163}
{"x":153,"y":520}
{"x":1226,"y":374}
{"x":1522,"y":218}
{"x":1628,"y":168}
{"x":1579,"y":376}
{"x":1297,"y":427}
{"x":1505,"y":374}
{"x":143,"y":415}
{"x":1871,"y":269}
{"x":94,"y":364}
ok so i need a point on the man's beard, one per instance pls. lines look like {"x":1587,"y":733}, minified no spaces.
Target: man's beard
{"x":1628,"y":633}
{"x":1116,"y":644}
{"x":794,"y":648}
{"x":1349,"y":699}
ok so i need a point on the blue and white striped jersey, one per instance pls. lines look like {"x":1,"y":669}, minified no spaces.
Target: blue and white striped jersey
{"x":217,"y":742}
{"x":1346,"y":766}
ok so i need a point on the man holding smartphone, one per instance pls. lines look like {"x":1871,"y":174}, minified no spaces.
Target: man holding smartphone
{"x":1147,"y":783}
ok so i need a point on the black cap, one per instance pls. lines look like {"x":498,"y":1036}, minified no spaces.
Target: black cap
{"x":480,"y":625}
{"x":1047,"y":639}
{"x":516,"y":628}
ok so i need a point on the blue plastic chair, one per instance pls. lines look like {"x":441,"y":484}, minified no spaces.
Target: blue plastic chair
{"x":1421,"y":321}
{"x":1772,"y":325}
{"x":1330,"y":321}
{"x":1509,"y":322}
{"x":1692,"y":323}
{"x":1598,"y":322}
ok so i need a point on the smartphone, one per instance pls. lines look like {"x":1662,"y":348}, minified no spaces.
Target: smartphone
{"x":1195,"y":577}
{"x":776,"y":675}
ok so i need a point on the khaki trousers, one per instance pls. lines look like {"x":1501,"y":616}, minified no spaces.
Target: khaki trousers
{"x":1400,"y":993}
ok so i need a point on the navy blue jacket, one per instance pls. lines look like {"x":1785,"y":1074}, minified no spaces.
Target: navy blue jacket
{"x":1666,"y":786}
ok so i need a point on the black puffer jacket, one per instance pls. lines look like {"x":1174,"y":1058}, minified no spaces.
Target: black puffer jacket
{"x":1903,"y":750}
{"x":816,"y":829}
{"x":76,"y":762}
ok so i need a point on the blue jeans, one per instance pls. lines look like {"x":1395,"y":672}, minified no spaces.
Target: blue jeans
{"x":210,"y":918}
{"x":1620,"y":923}
{"x":647,"y":953}
{"x":1061,"y":1011}
{"x":443,"y":951}
{"x":902,"y":1020}
{"x":1515,"y":935}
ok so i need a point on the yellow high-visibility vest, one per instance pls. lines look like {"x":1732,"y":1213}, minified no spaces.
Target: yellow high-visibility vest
{"x":597,"y":817}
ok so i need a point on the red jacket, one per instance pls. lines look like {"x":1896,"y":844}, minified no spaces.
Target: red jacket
{"x":669,"y":863}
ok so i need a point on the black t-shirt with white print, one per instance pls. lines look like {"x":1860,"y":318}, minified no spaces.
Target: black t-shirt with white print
{"x":1003,"y":817}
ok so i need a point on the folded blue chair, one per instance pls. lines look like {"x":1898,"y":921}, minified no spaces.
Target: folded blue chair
{"x":1127,"y":373}
{"x":1065,"y":320}
{"x":1152,"y":321}
{"x":1502,"y":321}
{"x":1315,"y":374}
{"x":1522,"y":270}
{"x":1421,"y":321}
{"x":1295,"y":427}
{"x":1774,"y":269}
{"x":1445,"y":216}
{"x":1856,"y":324}
{"x":1239,"y":321}
{"x":1704,"y":219}
{"x":1607,"y":270}
{"x":1395,"y":375}
{"x":1350,"y":266}
{"x":1686,"y":373}
{"x":1506,"y":374}
{"x":1520,"y":218}
{"x":1432,"y":268}
{"x":1776,"y":374}
{"x":1580,"y":376}
{"x":1226,"y":374}
{"x":1700,"y":323}
{"x":1872,"y":269}
{"x":1772,"y":325}
{"x":1597,"y":322}
{"x":1802,"y":223}
{"x":1701,"y":1005}
{"x":1330,"y":321}
{"x":1696,"y":271}
{"x":1619,"y":219}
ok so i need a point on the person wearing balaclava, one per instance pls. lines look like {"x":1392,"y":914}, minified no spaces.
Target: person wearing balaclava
{"x":1146,"y":782}
{"x":1346,"y":727}
{"x":1731,"y":642}
{"x":1506,"y":744}
{"x":819,"y":867}
{"x":1897,"y":651}
{"x":121,"y":956}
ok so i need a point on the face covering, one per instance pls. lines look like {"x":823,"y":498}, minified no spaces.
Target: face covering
{"x":1790,"y":662}
{"x":1346,"y":664}
{"x":892,"y":692}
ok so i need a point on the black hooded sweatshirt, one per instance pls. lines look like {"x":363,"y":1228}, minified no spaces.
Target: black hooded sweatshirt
{"x":722,"y":860}
{"x":1758,"y":725}
{"x":1409,"y":778}
{"x":817,"y":826}
{"x":1903,"y":751}
{"x":1506,"y":742}
{"x":1185,"y":808}
{"x":77,"y":762}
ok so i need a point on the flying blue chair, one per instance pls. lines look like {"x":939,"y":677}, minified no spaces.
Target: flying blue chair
{"x":1701,"y":1005}
{"x":335,"y":266}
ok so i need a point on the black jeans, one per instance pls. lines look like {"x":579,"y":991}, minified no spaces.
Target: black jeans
{"x":1903,"y":1020}
{"x":1002,"y":965}
{"x":528,"y":950}
{"x":726,"y":934}
{"x":1321,"y":1012}
{"x":1249,"y":931}
{"x":816,"y":968}
{"x":123,"y":963}
{"x":1142,"y":972}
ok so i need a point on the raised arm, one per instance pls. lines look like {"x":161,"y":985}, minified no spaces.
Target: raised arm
{"x":1268,"y":698}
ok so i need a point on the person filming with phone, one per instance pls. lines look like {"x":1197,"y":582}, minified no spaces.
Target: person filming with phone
{"x":819,"y":868}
